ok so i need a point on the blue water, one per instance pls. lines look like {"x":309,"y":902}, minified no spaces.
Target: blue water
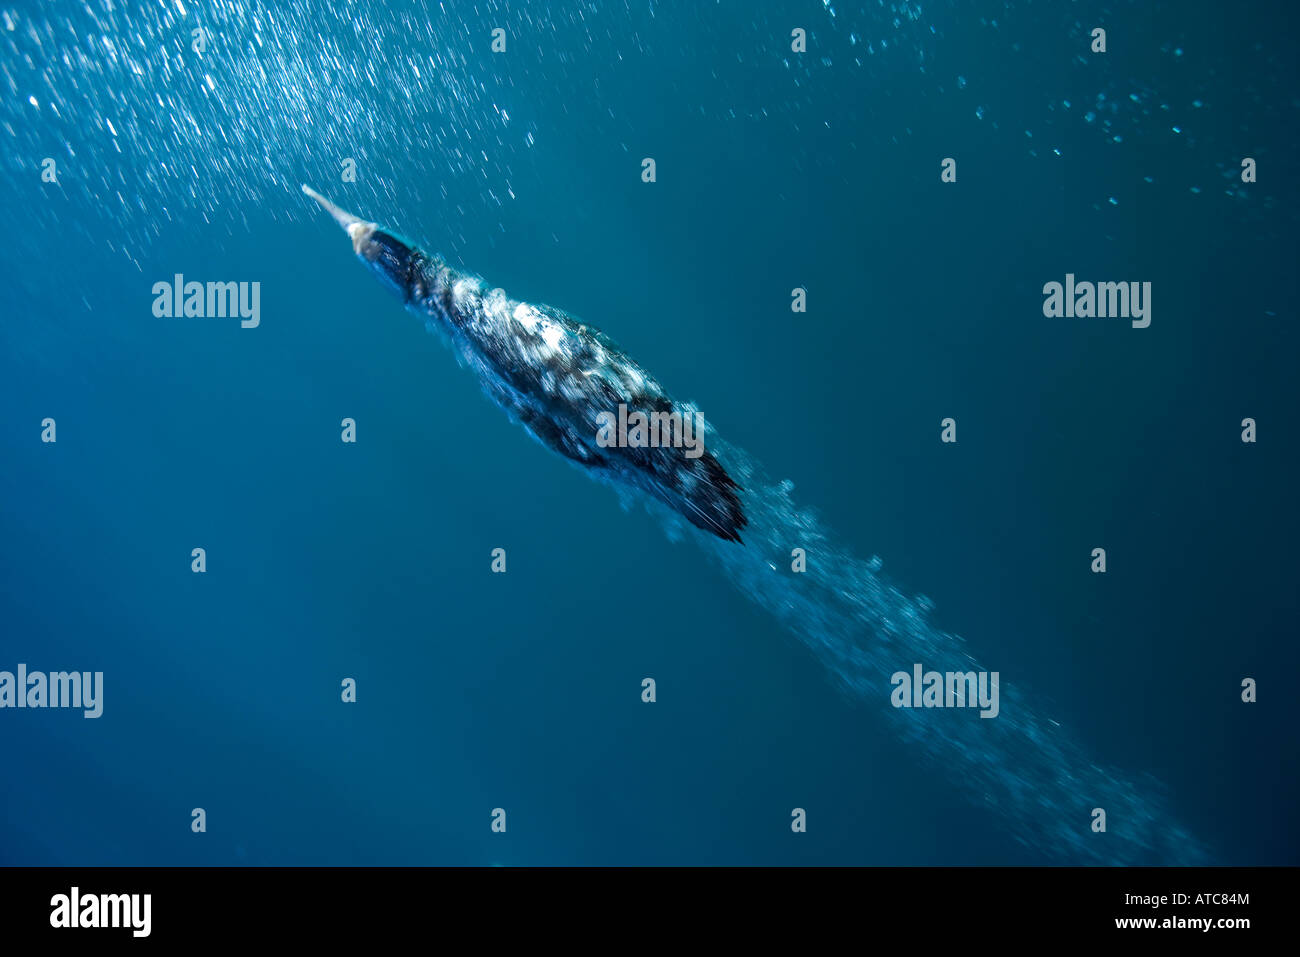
{"x":522,"y":691}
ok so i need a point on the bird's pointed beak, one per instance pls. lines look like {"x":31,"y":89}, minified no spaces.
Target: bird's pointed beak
{"x":358,"y":230}
{"x":344,"y":219}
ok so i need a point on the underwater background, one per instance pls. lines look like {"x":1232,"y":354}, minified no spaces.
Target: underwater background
{"x":775,"y":169}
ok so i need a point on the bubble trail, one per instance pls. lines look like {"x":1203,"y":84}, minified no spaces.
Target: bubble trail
{"x":1021,"y":765}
